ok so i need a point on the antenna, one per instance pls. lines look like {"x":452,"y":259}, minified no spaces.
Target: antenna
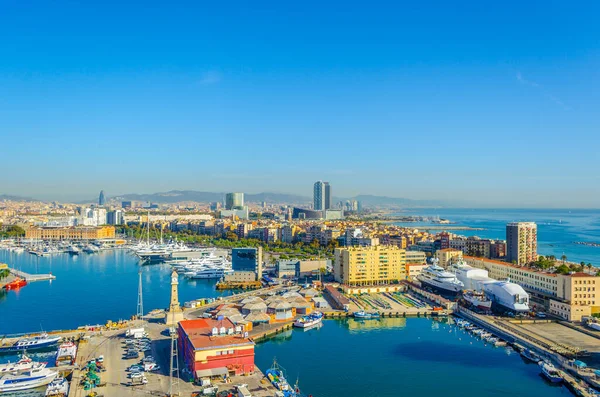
{"x":140,"y":300}
{"x":174,"y":370}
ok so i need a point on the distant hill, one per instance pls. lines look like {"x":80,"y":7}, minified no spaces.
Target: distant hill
{"x":11,"y":197}
{"x":176,"y":196}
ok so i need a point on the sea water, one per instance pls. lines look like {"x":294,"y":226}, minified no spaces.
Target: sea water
{"x":400,"y":357}
{"x":558,"y":229}
{"x":89,"y":289}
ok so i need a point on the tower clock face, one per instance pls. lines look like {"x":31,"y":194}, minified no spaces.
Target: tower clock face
{"x":174,"y":280}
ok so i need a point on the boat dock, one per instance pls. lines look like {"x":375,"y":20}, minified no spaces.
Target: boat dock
{"x":31,"y":277}
{"x":273,"y":329}
{"x":546,"y":348}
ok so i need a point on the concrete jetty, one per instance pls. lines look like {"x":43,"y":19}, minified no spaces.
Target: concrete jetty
{"x":31,"y":277}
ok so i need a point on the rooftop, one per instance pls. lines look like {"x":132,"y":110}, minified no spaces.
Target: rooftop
{"x":199,"y":332}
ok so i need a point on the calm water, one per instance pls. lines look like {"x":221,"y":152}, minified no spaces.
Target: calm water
{"x":409,"y":357}
{"x":89,"y":289}
{"x":557,"y":229}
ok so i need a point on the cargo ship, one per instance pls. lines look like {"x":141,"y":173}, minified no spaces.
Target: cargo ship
{"x":67,"y":352}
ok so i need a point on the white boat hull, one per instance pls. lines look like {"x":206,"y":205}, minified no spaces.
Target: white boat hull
{"x":35,"y":382}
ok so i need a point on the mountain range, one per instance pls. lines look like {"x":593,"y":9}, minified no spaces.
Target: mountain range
{"x":175,"y":196}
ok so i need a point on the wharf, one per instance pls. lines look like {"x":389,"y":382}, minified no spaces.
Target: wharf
{"x":413,"y":312}
{"x":115,"y":380}
{"x":268,"y":330}
{"x":31,"y":277}
{"x":246,"y":285}
{"x":547,"y":349}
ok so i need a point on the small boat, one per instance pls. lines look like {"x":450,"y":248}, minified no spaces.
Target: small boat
{"x":276,"y":376}
{"x":16,"y":284}
{"x":67,"y":352}
{"x":30,"y":379}
{"x":531,"y":356}
{"x":309,"y":321}
{"x":39,"y":342}
{"x":59,"y":387}
{"x":24,"y":364}
{"x":550,"y":372}
{"x":365,"y":315}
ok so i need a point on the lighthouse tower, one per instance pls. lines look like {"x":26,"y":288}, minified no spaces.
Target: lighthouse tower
{"x":174,"y":314}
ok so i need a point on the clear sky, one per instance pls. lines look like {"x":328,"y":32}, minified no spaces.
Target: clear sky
{"x":497,"y":103}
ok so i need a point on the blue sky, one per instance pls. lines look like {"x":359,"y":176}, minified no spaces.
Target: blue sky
{"x":495,"y":103}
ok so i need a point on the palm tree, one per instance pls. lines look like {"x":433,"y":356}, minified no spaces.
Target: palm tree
{"x":563,"y":258}
{"x":589,"y":266}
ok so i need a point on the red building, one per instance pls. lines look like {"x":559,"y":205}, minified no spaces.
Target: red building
{"x":215,"y":348}
{"x":444,"y":240}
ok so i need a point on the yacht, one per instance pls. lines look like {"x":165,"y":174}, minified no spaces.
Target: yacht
{"x":67,"y":352}
{"x":309,"y":321}
{"x":30,"y":379}
{"x":24,"y":364}
{"x":58,"y":387}
{"x":209,"y":273}
{"x":478,"y":300}
{"x":550,"y":372}
{"x":42,"y":341}
{"x":437,"y":278}
{"x":531,"y":356}
{"x":73,"y":250}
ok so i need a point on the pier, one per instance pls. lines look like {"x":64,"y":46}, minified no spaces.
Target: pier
{"x":31,"y":277}
{"x":551,"y":350}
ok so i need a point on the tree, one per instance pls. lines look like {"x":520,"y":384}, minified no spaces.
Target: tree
{"x":563,"y":269}
{"x":563,"y":258}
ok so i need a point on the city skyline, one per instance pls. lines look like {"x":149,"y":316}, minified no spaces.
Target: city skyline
{"x":395,"y":100}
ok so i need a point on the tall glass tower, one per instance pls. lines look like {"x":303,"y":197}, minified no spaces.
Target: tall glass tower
{"x":101,"y":198}
{"x":321,"y":196}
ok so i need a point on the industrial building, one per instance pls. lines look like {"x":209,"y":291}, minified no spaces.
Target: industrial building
{"x":215,"y":348}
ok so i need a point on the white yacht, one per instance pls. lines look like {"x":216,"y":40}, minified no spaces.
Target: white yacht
{"x":30,"y":379}
{"x":24,"y":364}
{"x":210,"y":273}
{"x":437,"y":278}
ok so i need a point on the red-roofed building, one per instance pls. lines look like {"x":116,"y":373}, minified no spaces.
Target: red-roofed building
{"x":215,"y":348}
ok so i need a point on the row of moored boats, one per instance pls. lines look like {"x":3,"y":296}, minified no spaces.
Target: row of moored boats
{"x":548,"y":370}
{"x":26,"y":374}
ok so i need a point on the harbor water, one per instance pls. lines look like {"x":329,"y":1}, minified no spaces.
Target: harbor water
{"x":89,"y":289}
{"x":401,"y":357}
{"x":558,"y":229}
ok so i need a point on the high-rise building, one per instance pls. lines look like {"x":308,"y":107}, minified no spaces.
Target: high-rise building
{"x":101,"y":198}
{"x":321,"y":196}
{"x":247,"y":260}
{"x":521,"y":242}
{"x":114,"y":217}
{"x":378,"y":265}
{"x":234,"y":201}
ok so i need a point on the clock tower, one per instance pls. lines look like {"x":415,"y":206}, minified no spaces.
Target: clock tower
{"x":174,"y":314}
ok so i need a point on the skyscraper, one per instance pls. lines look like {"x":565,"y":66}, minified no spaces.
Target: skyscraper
{"x":321,"y":196}
{"x":521,"y":242}
{"x":101,"y":199}
{"x":234,"y":201}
